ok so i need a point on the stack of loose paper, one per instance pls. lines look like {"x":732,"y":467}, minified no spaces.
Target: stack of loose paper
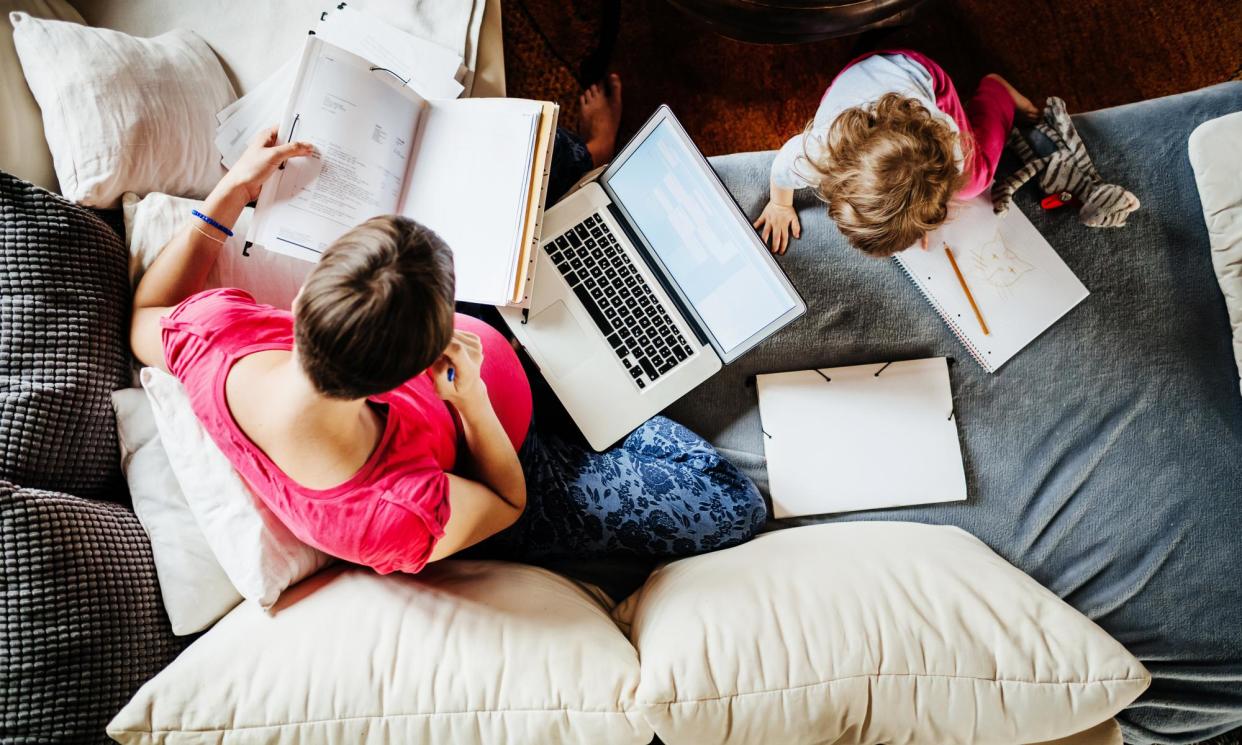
{"x":432,"y":70}
{"x":473,"y":170}
{"x":861,"y":437}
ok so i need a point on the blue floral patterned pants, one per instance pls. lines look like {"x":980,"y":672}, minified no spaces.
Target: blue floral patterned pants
{"x":662,"y":491}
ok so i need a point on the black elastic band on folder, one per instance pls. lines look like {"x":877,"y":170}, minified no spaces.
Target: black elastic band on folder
{"x":404,"y":81}
{"x":882,"y":369}
{"x":825,"y":377}
{"x":292,"y":127}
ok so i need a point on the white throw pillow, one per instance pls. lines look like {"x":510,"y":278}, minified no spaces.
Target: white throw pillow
{"x":122,"y":113}
{"x":195,"y":589}
{"x":1216,"y":156}
{"x":869,"y":633}
{"x":464,"y":652}
{"x":150,"y":222}
{"x":258,"y":553}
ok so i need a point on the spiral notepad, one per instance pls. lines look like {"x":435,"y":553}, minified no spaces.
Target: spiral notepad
{"x":1021,"y":285}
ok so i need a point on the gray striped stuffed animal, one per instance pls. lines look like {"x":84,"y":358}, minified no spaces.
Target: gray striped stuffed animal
{"x":1067,"y":172}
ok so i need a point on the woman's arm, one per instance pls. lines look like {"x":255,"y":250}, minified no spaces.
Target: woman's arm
{"x":182,"y":266}
{"x":495,"y":498}
{"x":491,"y":457}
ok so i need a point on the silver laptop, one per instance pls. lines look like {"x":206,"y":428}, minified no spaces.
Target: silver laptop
{"x":649,"y":279}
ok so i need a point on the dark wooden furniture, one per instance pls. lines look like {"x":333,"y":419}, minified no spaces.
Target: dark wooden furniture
{"x":796,"y":21}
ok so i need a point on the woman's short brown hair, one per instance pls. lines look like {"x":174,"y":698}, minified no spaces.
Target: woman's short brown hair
{"x":377,"y":309}
{"x":888,"y":172}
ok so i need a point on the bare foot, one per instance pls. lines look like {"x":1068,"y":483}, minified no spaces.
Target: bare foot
{"x":599,"y":117}
{"x":1020,"y":102}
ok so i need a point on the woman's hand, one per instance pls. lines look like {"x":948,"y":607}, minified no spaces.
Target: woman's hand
{"x":259,"y":161}
{"x":778,"y":221}
{"x":464,"y":357}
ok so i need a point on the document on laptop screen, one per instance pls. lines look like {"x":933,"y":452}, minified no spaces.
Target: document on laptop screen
{"x":698,"y":237}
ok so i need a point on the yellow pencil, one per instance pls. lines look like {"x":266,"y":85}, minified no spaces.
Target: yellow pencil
{"x":966,"y":289}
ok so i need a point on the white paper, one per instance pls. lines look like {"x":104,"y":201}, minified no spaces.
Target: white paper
{"x":1019,"y":282}
{"x":257,"y":110}
{"x":362,"y":125}
{"x":432,"y":69}
{"x":470,"y":183}
{"x":859,"y":441}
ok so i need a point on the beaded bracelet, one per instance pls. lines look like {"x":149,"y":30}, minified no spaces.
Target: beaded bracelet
{"x":212,"y":223}
{"x":207,"y":235}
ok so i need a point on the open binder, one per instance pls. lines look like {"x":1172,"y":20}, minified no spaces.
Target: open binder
{"x":473,"y":170}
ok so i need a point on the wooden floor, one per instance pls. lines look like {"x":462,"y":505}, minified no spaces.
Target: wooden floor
{"x":736,"y":97}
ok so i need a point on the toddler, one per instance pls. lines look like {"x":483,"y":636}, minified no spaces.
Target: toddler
{"x":890,"y":146}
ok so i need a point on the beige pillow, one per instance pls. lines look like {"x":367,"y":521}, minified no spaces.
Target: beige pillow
{"x":869,"y":633}
{"x":465,"y":652}
{"x":270,"y":277}
{"x":122,"y":113}
{"x":23,"y":148}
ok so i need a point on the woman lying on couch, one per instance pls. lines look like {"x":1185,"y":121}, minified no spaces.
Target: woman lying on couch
{"x":385,"y":429}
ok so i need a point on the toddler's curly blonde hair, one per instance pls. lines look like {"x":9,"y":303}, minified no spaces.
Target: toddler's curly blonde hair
{"x":888,"y":173}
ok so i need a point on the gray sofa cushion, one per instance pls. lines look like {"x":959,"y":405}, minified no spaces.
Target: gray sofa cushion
{"x":64,"y":316}
{"x":81,"y":624}
{"x":1105,"y":460}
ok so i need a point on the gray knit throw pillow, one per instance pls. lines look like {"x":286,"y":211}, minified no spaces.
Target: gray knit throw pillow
{"x":64,"y":318}
{"x":81,"y":622}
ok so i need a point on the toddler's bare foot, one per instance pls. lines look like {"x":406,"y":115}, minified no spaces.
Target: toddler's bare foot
{"x":599,"y":117}
{"x":1020,"y":102}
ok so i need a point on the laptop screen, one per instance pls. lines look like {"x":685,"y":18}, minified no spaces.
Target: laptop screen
{"x":700,"y":237}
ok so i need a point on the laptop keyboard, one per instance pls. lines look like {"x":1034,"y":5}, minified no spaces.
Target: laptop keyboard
{"x":610,"y":287}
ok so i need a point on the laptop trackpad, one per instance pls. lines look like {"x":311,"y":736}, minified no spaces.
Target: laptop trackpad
{"x":562,"y":343}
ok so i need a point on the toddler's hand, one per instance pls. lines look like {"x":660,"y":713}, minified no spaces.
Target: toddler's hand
{"x":1020,"y":102}
{"x":778,"y":221}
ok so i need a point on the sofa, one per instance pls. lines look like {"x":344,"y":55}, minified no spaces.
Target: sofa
{"x":910,"y":625}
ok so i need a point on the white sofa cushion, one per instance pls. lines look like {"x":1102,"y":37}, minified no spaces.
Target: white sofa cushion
{"x":464,"y":652}
{"x":868,"y":633}
{"x":260,"y":556}
{"x":150,"y":222}
{"x":1216,"y":156}
{"x":122,"y":113}
{"x":195,"y":590}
